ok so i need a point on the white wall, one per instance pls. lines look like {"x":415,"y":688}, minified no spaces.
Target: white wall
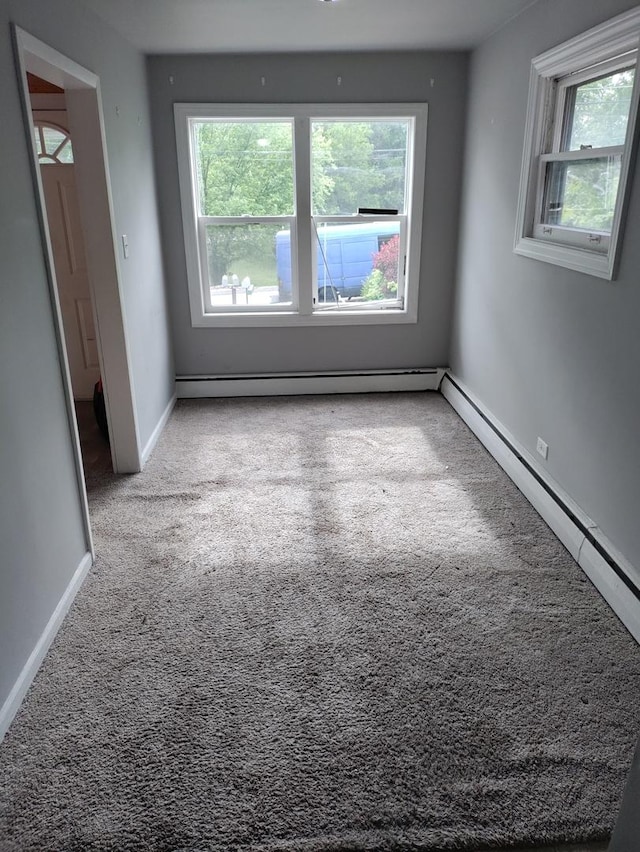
{"x":548,"y":351}
{"x":312,"y":78}
{"x":41,"y":531}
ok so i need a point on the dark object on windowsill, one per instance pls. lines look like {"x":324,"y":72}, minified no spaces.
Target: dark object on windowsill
{"x":377,"y":211}
{"x":99,"y":410}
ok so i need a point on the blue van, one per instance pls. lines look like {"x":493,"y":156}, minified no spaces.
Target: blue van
{"x":348,"y":249}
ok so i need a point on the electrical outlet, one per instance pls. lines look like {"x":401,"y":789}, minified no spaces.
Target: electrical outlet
{"x":542,"y":448}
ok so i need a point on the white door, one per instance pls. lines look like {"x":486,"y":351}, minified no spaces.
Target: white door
{"x":67,"y":240}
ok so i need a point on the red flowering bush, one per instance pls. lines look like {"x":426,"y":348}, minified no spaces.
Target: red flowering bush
{"x":381,"y":282}
{"x":386,"y":259}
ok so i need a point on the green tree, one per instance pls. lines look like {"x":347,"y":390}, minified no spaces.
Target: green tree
{"x":358,"y":164}
{"x":245,"y":168}
{"x":382,"y":281}
{"x":345,"y":167}
{"x":601,"y":111}
{"x":590,"y":191}
{"x":389,"y":140}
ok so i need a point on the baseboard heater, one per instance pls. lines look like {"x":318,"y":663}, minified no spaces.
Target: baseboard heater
{"x":285,"y":384}
{"x":604,"y":565}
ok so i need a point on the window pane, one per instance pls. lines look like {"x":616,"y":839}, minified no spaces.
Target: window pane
{"x":359,"y":262}
{"x":244,"y":168}
{"x":65,"y":154}
{"x":242,"y":264}
{"x":582,"y":193}
{"x":600,"y":111}
{"x":52,"y":138}
{"x":358,"y":164}
{"x":57,"y":145}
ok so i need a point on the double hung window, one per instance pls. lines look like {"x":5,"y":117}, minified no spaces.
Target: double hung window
{"x":580,"y":132}
{"x":301,"y":214}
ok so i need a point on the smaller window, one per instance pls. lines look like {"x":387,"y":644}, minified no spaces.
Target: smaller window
{"x":580,"y":176}
{"x":53,"y":144}
{"x":582,"y":108}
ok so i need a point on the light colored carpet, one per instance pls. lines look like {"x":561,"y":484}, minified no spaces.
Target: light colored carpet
{"x":323,"y":624}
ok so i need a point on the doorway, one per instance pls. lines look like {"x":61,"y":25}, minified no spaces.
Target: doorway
{"x":100,"y":317}
{"x":54,"y":148}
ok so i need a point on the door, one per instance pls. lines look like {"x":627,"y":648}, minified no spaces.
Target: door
{"x":65,"y":227}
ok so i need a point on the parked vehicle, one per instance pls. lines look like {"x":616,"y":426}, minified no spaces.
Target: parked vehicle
{"x":345,"y":258}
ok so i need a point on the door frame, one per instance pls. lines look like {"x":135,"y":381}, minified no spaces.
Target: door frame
{"x":86,"y":125}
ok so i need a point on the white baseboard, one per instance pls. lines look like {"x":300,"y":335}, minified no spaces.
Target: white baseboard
{"x":607,"y":569}
{"x":292,"y":384}
{"x":30,"y":668}
{"x":616,"y":593}
{"x":153,"y":440}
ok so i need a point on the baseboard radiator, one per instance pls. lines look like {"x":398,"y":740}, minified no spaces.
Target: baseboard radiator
{"x":285,"y":384}
{"x":606,"y":567}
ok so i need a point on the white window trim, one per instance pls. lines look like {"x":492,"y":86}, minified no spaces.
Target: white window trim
{"x":301,"y":313}
{"x":612,"y":38}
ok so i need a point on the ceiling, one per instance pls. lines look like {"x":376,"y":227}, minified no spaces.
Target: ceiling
{"x":231,"y":26}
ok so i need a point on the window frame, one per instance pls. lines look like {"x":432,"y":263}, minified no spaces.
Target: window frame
{"x":552,"y":73}
{"x":302,"y":311}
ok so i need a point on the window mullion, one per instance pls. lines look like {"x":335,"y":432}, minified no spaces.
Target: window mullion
{"x":302,"y":241}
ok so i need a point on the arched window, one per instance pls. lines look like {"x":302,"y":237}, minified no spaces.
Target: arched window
{"x":53,"y":143}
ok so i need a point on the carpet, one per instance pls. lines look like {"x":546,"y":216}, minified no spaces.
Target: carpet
{"x":320,"y":624}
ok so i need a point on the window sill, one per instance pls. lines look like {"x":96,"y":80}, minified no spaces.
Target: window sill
{"x":283,"y":319}
{"x":580,"y":260}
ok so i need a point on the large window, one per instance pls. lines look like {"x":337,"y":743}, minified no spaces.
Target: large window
{"x":580,"y":132}
{"x":302,"y":214}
